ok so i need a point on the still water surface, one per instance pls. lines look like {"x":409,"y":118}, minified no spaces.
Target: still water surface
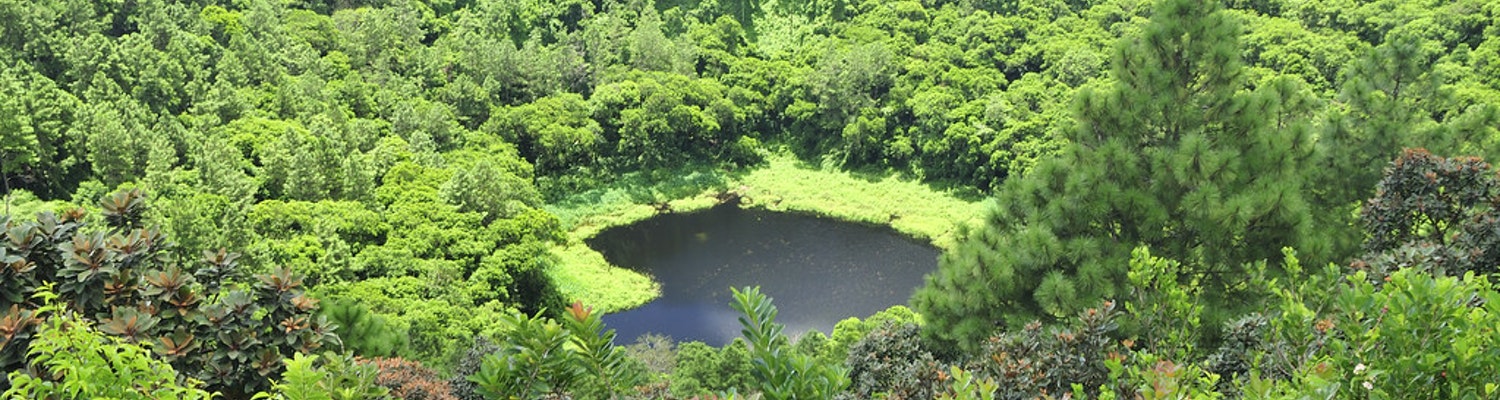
{"x":817,"y":271}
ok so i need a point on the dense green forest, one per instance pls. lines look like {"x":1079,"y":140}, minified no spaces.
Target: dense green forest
{"x":309,"y":199}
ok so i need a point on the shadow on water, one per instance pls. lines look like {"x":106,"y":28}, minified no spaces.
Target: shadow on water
{"x":817,"y":270}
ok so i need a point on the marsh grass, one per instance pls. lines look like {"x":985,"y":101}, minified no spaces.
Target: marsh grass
{"x":782,"y":183}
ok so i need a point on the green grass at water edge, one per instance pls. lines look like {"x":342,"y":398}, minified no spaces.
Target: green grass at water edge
{"x":781,"y":184}
{"x":910,"y":207}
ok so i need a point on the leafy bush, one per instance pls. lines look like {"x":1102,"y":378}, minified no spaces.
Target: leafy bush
{"x":656,"y":352}
{"x":966,"y":386}
{"x":892,"y":361}
{"x":69,"y":358}
{"x":1434,"y":212}
{"x":780,"y":372}
{"x":606,"y":367}
{"x":539,"y":357}
{"x":331,"y":376}
{"x":701,"y":369}
{"x":409,"y":380}
{"x":233,"y":339}
{"x":1034,"y":361}
{"x":696,"y":369}
{"x":361,"y":331}
{"x":1418,"y":336}
{"x":469,"y":365}
{"x":532,"y":362}
{"x":851,"y":330}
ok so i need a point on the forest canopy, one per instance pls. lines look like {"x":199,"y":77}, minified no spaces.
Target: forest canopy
{"x":402,"y":155}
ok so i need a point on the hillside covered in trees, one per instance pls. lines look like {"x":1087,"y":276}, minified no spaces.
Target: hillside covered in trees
{"x":357,"y":198}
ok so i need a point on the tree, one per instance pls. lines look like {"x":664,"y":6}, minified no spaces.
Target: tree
{"x":362,"y":332}
{"x":556,"y":132}
{"x":1176,"y":156}
{"x":1387,"y":92}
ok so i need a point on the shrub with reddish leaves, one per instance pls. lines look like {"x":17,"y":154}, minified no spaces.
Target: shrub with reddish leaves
{"x":410,"y":380}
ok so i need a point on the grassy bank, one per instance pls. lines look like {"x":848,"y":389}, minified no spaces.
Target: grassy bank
{"x":782,"y":184}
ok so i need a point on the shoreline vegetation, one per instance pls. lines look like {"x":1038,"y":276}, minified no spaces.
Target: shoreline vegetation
{"x":782,"y":183}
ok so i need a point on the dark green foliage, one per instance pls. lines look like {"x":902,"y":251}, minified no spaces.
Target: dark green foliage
{"x":362,"y":332}
{"x":892,"y":362}
{"x":1036,"y":360}
{"x":1244,"y":339}
{"x":1386,"y":91}
{"x":1434,"y":212}
{"x":468,"y":365}
{"x":122,"y":277}
{"x":1176,"y":155}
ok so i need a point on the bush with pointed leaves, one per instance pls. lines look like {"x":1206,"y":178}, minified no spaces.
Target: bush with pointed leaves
{"x":122,"y":276}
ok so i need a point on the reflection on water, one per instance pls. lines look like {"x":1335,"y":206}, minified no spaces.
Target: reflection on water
{"x":818,"y":271}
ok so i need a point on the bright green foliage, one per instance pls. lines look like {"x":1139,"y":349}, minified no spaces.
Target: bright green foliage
{"x":1176,"y":155}
{"x":301,"y":381}
{"x":69,"y":358}
{"x":329,"y":377}
{"x":780,"y":372}
{"x":486,"y":189}
{"x":1418,"y":335}
{"x":604,"y":364}
{"x":384,"y":148}
{"x":1168,"y":311}
{"x":967,"y":387}
{"x":538,"y":357}
{"x":532,"y":361}
{"x":556,"y":131}
{"x":696,"y":369}
{"x":701,"y":369}
{"x":851,"y":330}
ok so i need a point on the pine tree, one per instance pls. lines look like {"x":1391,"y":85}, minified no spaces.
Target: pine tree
{"x":1386,"y":94}
{"x":1177,"y":155}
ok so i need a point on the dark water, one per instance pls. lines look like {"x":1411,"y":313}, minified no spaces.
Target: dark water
{"x":817,"y":271}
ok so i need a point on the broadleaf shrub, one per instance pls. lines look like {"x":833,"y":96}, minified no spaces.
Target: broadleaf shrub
{"x":69,"y":358}
{"x":779,"y":371}
{"x":410,"y":380}
{"x":123,"y":276}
